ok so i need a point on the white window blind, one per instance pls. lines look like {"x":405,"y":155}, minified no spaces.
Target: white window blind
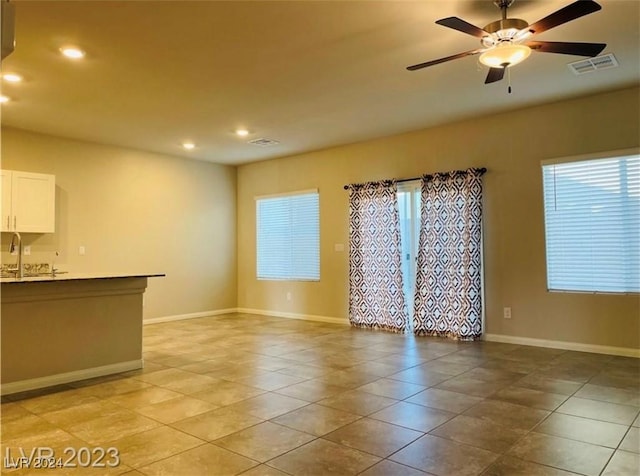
{"x":288,"y":237}
{"x":592,"y":220}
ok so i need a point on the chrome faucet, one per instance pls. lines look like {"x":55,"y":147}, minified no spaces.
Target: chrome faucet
{"x":12,"y":247}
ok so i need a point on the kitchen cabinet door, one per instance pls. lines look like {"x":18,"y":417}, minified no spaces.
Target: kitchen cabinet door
{"x":5,"y":218}
{"x":31,"y":208}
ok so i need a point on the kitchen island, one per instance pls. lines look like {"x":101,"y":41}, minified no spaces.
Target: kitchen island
{"x":68,"y":327}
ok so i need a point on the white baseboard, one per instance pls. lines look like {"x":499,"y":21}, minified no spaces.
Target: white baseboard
{"x":193,"y":315}
{"x":67,"y":377}
{"x":294,"y":315}
{"x":260,"y":312}
{"x":558,"y":344}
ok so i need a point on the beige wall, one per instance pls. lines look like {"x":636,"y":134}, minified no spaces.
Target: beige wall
{"x":511,"y":146}
{"x":136,"y":211}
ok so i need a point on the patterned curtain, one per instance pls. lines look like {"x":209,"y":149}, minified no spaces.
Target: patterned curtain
{"x":376,"y":299}
{"x":448,"y":298}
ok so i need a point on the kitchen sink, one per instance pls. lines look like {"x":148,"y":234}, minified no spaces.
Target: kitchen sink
{"x":29,"y":270}
{"x":13,"y":274}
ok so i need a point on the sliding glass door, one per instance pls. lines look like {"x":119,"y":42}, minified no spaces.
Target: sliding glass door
{"x":409,"y":208}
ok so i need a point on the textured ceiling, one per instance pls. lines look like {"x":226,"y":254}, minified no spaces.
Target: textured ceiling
{"x":308,"y":74}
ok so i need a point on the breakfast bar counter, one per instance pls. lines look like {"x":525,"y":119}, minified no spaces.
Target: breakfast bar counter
{"x":69,"y":327}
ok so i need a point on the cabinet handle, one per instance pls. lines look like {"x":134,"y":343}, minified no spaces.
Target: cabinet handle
{"x":8,"y":222}
{"x":15,"y":226}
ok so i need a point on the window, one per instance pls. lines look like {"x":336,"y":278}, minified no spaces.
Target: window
{"x":592,"y":219}
{"x":288,"y":237}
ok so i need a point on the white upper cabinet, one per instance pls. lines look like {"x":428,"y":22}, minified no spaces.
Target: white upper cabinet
{"x":28,"y":202}
{"x":6,"y":200}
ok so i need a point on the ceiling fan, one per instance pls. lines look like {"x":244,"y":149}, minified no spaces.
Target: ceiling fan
{"x":505,"y":42}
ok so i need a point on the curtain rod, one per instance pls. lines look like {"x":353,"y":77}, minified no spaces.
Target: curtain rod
{"x":481,"y":170}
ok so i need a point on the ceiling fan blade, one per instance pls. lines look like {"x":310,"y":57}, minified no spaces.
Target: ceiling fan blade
{"x":579,"y":49}
{"x":495,"y":74}
{"x":570,"y":12}
{"x":444,"y":60}
{"x":463,"y":26}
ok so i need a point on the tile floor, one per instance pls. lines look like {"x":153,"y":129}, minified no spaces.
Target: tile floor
{"x":251,"y":395}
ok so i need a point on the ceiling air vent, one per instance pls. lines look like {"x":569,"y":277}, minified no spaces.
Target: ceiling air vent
{"x":262,"y":142}
{"x":588,"y":65}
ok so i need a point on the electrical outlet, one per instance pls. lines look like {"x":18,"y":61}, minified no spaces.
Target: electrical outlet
{"x":506,"y":313}
{"x":82,"y":250}
{"x":26,"y":250}
{"x":288,"y":296}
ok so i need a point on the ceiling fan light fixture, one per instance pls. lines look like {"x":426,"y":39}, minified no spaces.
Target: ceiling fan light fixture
{"x":505,"y":55}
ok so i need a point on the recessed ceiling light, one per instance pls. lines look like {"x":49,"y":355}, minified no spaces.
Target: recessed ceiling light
{"x":73,"y":53}
{"x":242,"y":132}
{"x":188,"y":145}
{"x":12,"y":77}
{"x":4,"y":99}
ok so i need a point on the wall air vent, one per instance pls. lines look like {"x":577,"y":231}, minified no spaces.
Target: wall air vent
{"x":262,"y":142}
{"x":588,"y":65}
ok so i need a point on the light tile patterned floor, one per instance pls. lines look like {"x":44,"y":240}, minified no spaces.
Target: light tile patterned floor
{"x":252,"y":395}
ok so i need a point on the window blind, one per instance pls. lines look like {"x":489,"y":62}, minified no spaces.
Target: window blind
{"x":288,"y":237}
{"x":592,"y":224}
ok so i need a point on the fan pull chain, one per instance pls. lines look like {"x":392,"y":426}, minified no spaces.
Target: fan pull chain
{"x":509,"y":79}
